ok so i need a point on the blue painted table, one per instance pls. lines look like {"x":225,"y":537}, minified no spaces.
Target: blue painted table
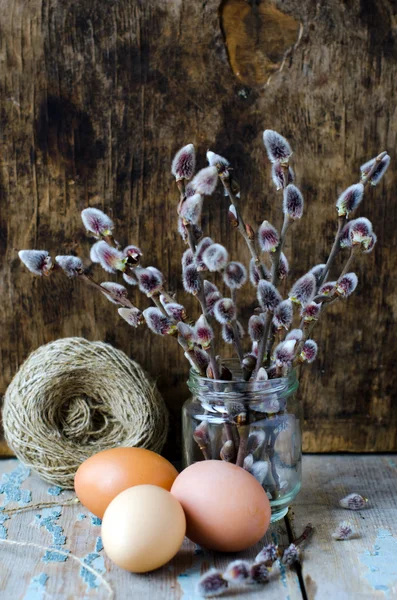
{"x":55,"y":551}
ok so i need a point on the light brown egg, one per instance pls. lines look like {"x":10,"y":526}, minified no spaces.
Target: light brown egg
{"x":104,"y":475}
{"x":143,"y":528}
{"x":226,"y":508}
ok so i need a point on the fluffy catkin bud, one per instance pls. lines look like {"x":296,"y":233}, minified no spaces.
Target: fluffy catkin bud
{"x":317,"y":271}
{"x":184,"y":163}
{"x":191,"y":280}
{"x":37,"y":261}
{"x":277,"y":147}
{"x":254,"y":272}
{"x":262,"y":375}
{"x":268,"y":237}
{"x":237,"y":571}
{"x":201,"y":435}
{"x":268,"y":555}
{"x":293,"y":202}
{"x":256,"y":328}
{"x":224,"y":310}
{"x":283,"y":267}
{"x":133,"y":316}
{"x":235,"y":275}
{"x":133,"y":253}
{"x":257,"y":437}
{"x":96,"y":222}
{"x":130,"y":279}
{"x":311,"y":312}
{"x":150,"y":280}
{"x":353,"y":502}
{"x":281,"y":176}
{"x":283,"y":315}
{"x":232,"y":216}
{"x":110,"y":259}
{"x":227,"y":452}
{"x":222,"y":165}
{"x":201,"y":248}
{"x":268,"y":296}
{"x":211,"y":584}
{"x":344,"y":238}
{"x":284,"y":352}
{"x":259,"y":470}
{"x":379,"y":171}
{"x":187,"y":258}
{"x":370,"y":245}
{"x":290,"y":555}
{"x":327,"y":288}
{"x":209,"y":287}
{"x":346,"y":285}
{"x":185,"y":336}
{"x":158,"y":322}
{"x":119,"y":292}
{"x":175,"y":310}
{"x":294,"y":334}
{"x":228,"y":332}
{"x":203,"y":332}
{"x":344,"y":531}
{"x":211,"y":300}
{"x":182,"y":229}
{"x":349,"y":199}
{"x":93,"y":253}
{"x":303,"y":290}
{"x":215,"y":257}
{"x":360,"y":232}
{"x":71,"y":265}
{"x":309,"y":351}
{"x":259,"y":573}
{"x":191,"y":208}
{"x":204,"y":182}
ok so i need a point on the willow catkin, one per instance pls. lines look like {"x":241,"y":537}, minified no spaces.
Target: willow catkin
{"x":72,"y":398}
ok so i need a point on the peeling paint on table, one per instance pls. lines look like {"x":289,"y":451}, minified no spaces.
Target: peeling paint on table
{"x":382,"y":562}
{"x":10,"y":486}
{"x":36,"y":589}
{"x":48,"y":519}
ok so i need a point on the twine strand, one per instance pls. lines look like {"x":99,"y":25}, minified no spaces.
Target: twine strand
{"x":62,"y":553}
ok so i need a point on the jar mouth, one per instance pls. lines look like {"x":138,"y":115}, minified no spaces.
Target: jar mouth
{"x":203,"y":385}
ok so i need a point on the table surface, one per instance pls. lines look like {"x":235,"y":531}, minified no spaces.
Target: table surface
{"x":55,"y":552}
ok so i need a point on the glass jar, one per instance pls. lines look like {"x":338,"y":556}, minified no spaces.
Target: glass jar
{"x":256,"y":425}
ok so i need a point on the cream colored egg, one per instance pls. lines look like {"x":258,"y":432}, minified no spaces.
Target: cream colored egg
{"x":143,"y":528}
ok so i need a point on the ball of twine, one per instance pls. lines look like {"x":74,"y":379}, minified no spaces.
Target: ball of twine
{"x":72,"y":398}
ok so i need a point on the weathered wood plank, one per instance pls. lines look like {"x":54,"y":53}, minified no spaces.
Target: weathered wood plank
{"x":365,"y":567}
{"x":95,"y":98}
{"x":21,"y":567}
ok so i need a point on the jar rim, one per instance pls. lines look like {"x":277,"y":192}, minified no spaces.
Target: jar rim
{"x":202,"y":385}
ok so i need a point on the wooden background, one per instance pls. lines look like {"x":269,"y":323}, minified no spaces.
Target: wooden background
{"x":95,"y":98}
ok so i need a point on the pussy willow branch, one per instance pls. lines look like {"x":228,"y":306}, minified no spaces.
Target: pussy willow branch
{"x":342,"y":220}
{"x":334,"y":251}
{"x":241,"y":225}
{"x":236,"y":334}
{"x":263,"y":343}
{"x":203,"y":304}
{"x":88,"y":279}
{"x":277,"y":253}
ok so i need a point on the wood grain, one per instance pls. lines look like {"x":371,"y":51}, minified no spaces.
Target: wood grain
{"x":176,"y":581}
{"x":363,"y":567}
{"x":94,"y":100}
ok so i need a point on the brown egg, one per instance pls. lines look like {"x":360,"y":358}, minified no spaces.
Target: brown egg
{"x":103,"y":476}
{"x":226,"y":508}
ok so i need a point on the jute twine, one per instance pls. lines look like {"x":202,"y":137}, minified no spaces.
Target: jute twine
{"x":73,"y":398}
